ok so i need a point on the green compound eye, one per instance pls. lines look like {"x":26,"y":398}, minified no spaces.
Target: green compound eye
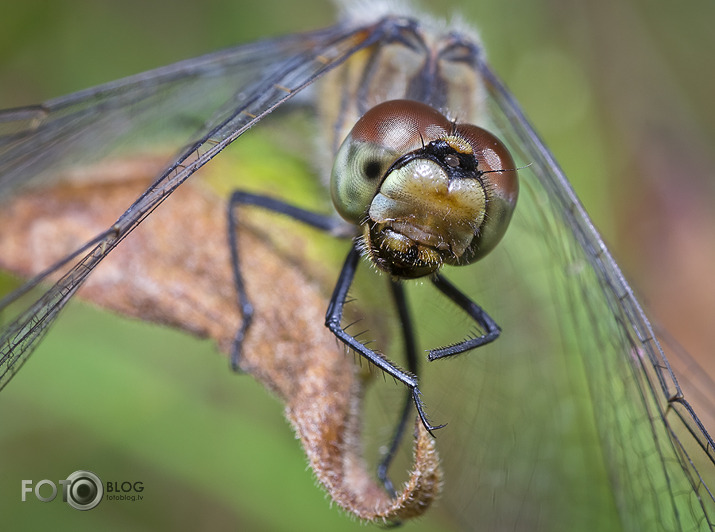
{"x":426,"y":191}
{"x":357,"y":172}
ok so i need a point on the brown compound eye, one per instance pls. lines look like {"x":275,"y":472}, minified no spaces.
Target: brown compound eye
{"x":499,"y":175}
{"x":493,"y":158}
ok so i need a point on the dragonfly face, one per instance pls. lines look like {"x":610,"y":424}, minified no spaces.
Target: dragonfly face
{"x":612,"y":343}
{"x":427,"y":192}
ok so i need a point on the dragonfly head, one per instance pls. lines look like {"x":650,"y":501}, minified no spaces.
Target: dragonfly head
{"x":425,"y":191}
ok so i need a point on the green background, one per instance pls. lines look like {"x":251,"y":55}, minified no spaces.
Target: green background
{"x":619,"y":90}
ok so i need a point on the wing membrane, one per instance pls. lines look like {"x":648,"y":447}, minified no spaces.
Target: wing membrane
{"x":645,"y":424}
{"x":119,"y":111}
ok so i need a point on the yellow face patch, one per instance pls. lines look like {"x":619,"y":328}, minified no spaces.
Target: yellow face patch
{"x":458,"y":144}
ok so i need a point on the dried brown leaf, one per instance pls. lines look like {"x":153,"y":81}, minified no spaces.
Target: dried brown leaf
{"x":175,"y":270}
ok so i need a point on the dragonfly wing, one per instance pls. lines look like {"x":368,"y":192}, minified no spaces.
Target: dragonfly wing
{"x":164,"y":107}
{"x":657,"y":454}
{"x":251,"y":81}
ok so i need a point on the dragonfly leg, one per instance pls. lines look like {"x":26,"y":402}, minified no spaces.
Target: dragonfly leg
{"x":332,"y":320}
{"x":484,"y":320}
{"x":398,"y":294}
{"x":238,"y":198}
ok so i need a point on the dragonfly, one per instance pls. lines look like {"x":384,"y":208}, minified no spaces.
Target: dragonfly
{"x":642,"y":418}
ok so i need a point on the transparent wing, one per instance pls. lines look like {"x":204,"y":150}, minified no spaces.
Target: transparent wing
{"x":212,"y":100}
{"x":168,"y":106}
{"x":573,"y":419}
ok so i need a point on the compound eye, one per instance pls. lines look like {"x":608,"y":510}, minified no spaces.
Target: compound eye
{"x":499,"y":175}
{"x":494,"y":161}
{"x":380,"y":137}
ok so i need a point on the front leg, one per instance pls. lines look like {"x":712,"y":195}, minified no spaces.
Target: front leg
{"x":238,"y":198}
{"x":333,"y":318}
{"x":477,"y":313}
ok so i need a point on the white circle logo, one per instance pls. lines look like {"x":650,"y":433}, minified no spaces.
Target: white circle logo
{"x":85,"y":490}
